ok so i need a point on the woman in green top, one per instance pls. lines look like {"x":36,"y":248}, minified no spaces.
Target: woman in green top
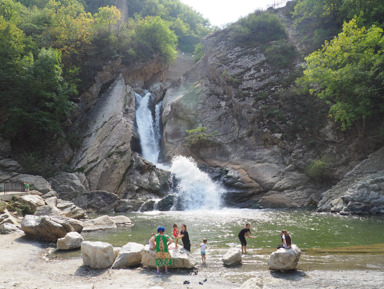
{"x":161,"y":242}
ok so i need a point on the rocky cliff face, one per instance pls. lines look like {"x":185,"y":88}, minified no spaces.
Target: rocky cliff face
{"x":266,"y":135}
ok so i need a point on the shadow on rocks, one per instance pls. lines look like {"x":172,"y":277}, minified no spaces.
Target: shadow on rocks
{"x":292,"y":275}
{"x":86,"y":271}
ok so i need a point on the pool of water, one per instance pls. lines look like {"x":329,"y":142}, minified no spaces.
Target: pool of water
{"x":310,"y":230}
{"x":328,"y":241}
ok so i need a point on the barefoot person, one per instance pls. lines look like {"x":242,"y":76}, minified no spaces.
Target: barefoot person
{"x":286,"y":240}
{"x":203,"y":247}
{"x":161,"y":242}
{"x":242,"y":234}
{"x":185,"y":237}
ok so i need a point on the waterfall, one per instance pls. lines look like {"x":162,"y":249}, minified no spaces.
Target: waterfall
{"x":148,"y":127}
{"x":195,"y":188}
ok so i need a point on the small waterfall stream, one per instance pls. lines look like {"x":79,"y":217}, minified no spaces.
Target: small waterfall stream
{"x":194,"y":188}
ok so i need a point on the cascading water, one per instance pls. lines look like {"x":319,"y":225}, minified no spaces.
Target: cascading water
{"x":195,"y":189}
{"x":148,"y":127}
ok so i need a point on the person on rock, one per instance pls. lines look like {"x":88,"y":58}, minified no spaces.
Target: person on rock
{"x":161,"y":242}
{"x":242,"y":234}
{"x":286,"y":240}
{"x":185,"y":238}
{"x":176,"y":234}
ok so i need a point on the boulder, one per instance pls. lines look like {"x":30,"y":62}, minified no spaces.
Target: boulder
{"x":129,"y":256}
{"x":33,"y":201}
{"x":8,"y":228}
{"x":67,"y":185}
{"x":121,"y":221}
{"x":100,"y":223}
{"x":50,"y":194}
{"x":70,"y":210}
{"x":47,"y":211}
{"x":252,"y":283}
{"x":232,"y":257}
{"x":36,"y":182}
{"x":97,"y":255}
{"x":97,"y":201}
{"x":49,"y":228}
{"x":7,"y":217}
{"x":181,"y":259}
{"x":71,"y":241}
{"x":285,"y":259}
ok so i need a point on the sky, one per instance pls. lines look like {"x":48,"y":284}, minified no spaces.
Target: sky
{"x":221,"y":12}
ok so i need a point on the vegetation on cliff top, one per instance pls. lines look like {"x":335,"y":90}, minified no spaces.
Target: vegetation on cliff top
{"x":50,"y":51}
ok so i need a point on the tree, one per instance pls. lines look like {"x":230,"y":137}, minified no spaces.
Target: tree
{"x":155,"y":33}
{"x":348,"y":74}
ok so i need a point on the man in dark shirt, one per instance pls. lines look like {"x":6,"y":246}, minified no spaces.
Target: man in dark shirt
{"x":243,"y":233}
{"x":185,"y":237}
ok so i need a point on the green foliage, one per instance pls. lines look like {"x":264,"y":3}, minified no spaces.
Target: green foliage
{"x":199,"y":52}
{"x":22,"y":209}
{"x":199,"y":137}
{"x":257,"y":28}
{"x":154,"y":34}
{"x":348,"y":74}
{"x":3,"y":206}
{"x":281,"y":55}
{"x":318,"y":170}
{"x":34,"y":163}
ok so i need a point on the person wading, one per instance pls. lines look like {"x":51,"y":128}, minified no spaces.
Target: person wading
{"x":242,"y":234}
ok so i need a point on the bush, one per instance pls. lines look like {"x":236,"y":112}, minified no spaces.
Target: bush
{"x":318,"y":170}
{"x":257,"y":28}
{"x":281,"y":55}
{"x":198,"y":137}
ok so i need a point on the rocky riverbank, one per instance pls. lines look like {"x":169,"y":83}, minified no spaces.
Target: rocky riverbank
{"x":23,"y":265}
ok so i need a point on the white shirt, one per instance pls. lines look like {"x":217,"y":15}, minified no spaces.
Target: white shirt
{"x":203,"y":246}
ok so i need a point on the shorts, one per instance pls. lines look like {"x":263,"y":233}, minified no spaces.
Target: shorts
{"x":202,"y":252}
{"x":243,"y":241}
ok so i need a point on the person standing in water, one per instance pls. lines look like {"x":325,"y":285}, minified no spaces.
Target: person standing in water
{"x":185,"y":237}
{"x":203,"y":247}
{"x":242,"y":234}
{"x":161,"y":242}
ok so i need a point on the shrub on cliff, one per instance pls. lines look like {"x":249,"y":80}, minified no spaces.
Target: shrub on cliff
{"x":198,"y":138}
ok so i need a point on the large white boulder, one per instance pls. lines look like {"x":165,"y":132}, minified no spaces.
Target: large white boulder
{"x":49,"y":228}
{"x":8,"y":228}
{"x":285,"y":259}
{"x":129,"y":256}
{"x":33,"y":201}
{"x":101,"y":223}
{"x":97,"y":255}
{"x":71,"y":241}
{"x":232,"y":257}
{"x":181,"y":259}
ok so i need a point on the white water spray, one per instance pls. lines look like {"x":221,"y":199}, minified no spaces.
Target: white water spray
{"x":195,"y":188}
{"x":148,"y":127}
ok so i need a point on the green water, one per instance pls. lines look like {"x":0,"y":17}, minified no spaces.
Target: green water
{"x":309,"y":230}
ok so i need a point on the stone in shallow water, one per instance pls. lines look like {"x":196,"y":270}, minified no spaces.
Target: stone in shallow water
{"x":232,"y":257}
{"x":285,"y":259}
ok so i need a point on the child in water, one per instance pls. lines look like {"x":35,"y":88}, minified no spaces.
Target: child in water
{"x":175,"y":234}
{"x":203,"y":247}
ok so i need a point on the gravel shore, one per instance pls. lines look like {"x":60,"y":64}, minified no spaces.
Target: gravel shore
{"x":23,"y":265}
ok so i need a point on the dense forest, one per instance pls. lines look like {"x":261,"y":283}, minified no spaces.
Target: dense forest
{"x":50,"y":51}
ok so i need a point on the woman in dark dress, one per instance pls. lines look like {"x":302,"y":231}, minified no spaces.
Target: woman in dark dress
{"x":185,"y":237}
{"x":242,"y":234}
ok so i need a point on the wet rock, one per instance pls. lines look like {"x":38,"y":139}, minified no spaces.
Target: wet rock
{"x":124,"y":206}
{"x":97,"y":255}
{"x":121,"y":221}
{"x":181,"y":259}
{"x":100,"y":223}
{"x":285,"y":259}
{"x":49,"y":228}
{"x":148,"y":206}
{"x":129,"y":256}
{"x":232,"y":257}
{"x":166,"y":203}
{"x":71,"y":241}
